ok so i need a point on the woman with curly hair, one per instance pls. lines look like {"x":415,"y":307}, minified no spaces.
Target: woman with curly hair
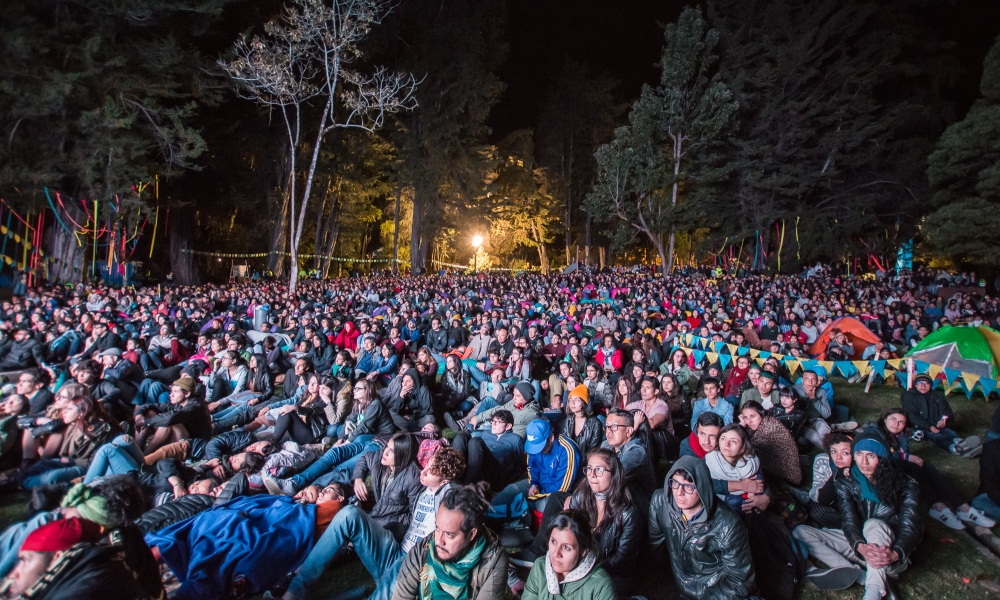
{"x":879,"y":508}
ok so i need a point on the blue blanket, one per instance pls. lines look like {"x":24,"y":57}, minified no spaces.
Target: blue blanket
{"x":260,"y":539}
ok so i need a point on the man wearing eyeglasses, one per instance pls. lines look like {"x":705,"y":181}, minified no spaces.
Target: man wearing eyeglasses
{"x":619,"y":435}
{"x":707,"y":543}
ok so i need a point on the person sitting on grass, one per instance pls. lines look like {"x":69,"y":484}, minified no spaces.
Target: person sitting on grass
{"x":947,"y":505}
{"x":569,"y":570}
{"x":380,"y":549}
{"x":879,"y":507}
{"x":828,"y":468}
{"x":933,"y":417}
{"x":461,"y":559}
{"x":706,"y":542}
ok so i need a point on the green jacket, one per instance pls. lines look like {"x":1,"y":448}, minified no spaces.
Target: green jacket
{"x":595,"y":585}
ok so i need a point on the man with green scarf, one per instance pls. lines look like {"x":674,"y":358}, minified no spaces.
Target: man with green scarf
{"x":461,"y":560}
{"x":878,"y":506}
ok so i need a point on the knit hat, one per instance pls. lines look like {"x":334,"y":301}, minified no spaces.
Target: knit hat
{"x":923,"y":377}
{"x":581,"y":392}
{"x":526,"y":390}
{"x":870,"y":443}
{"x":61,"y":535}
{"x":88,"y":503}
{"x":187,"y":384}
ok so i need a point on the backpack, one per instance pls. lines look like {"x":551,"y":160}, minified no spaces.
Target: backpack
{"x":776,"y":559}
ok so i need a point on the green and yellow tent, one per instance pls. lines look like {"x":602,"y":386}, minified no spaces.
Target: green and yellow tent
{"x":966,"y":349}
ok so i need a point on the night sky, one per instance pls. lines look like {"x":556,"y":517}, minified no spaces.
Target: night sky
{"x":624,"y":39}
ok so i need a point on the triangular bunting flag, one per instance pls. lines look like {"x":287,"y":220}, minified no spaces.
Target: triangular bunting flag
{"x":724,"y":360}
{"x":987,"y":385}
{"x":754,"y":353}
{"x":862,"y":366}
{"x":718,"y":346}
{"x":742,"y":350}
{"x":828,"y":365}
{"x":879,"y":367}
{"x":920,"y":366}
{"x":733,"y":348}
{"x":895,"y":363}
{"x":969,"y":379}
{"x":934,"y":371}
{"x":793,"y":365}
{"x":952,"y":374}
{"x":698,"y":356}
{"x":703,"y":342}
{"x":845,"y":367}
{"x":687,"y":351}
{"x":765,"y":354}
{"x":759,"y":361}
{"x":712,"y":357}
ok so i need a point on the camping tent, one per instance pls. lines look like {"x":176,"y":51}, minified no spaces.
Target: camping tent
{"x":966,"y":349}
{"x":856,"y":333}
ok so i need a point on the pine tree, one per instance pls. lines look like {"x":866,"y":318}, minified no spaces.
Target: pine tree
{"x":455,"y":48}
{"x":670,"y":140}
{"x":964,"y":174}
{"x":839,"y":103}
{"x":579,"y":114}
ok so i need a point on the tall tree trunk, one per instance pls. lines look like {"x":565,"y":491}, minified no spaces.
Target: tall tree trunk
{"x":186,"y":271}
{"x":569,"y":199}
{"x":319,"y":224}
{"x":395,"y":231}
{"x":678,"y":140}
{"x":586,"y":242}
{"x":331,"y":245}
{"x":63,"y":246}
{"x":416,"y":260}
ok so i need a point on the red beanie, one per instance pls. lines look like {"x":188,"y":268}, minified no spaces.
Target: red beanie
{"x":61,"y":535}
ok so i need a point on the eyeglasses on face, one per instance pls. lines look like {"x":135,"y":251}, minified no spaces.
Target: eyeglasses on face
{"x":590,"y":471}
{"x":615,"y":427}
{"x":689,"y":488}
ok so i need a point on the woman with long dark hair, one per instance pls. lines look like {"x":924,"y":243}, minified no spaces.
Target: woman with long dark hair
{"x":569,"y":570}
{"x":619,"y":530}
{"x":879,"y":507}
{"x":85,"y":432}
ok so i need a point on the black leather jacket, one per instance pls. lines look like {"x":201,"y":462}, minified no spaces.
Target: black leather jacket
{"x":620,"y":545}
{"x":590,"y":437}
{"x":174,"y":511}
{"x":904,"y":521}
{"x":710,"y":555}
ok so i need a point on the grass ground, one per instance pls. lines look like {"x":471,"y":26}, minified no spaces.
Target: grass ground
{"x":945,"y":566}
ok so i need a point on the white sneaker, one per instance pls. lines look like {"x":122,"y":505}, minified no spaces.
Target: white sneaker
{"x":947,"y":517}
{"x":847,"y":426}
{"x":976,"y":517}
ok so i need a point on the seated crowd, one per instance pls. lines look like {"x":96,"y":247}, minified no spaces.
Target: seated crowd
{"x":466,"y":437}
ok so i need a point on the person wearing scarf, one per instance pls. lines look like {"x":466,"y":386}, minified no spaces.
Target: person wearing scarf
{"x":705,"y":436}
{"x":461,"y":560}
{"x":878,"y":504}
{"x":569,"y":569}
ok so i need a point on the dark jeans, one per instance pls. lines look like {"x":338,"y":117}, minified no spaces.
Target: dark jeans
{"x":934,"y":487}
{"x":480,"y":463}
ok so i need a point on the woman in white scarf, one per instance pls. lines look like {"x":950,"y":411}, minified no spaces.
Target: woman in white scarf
{"x":734,"y":462}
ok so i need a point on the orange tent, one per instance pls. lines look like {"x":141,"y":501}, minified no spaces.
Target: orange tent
{"x":856,"y":333}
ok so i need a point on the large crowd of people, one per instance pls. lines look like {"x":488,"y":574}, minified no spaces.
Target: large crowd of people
{"x":465,"y":437}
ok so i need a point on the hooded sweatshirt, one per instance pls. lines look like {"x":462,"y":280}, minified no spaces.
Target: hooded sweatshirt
{"x":709,"y":553}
